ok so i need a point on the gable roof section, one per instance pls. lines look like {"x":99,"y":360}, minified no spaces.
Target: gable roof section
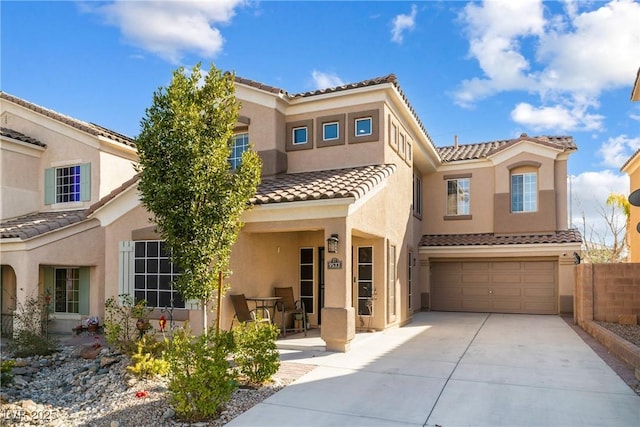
{"x":485,"y":149}
{"x":89,"y":128}
{"x":319,"y":185}
{"x":10,"y":133}
{"x":635,"y":92}
{"x":630,"y":160}
{"x":35,"y":224}
{"x":491,"y":239}
{"x":390,"y":79}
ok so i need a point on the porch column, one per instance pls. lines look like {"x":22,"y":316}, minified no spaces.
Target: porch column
{"x":338,"y":315}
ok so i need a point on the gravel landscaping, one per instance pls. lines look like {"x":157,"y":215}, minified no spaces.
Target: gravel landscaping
{"x":630,"y":333}
{"x":67,"y":389}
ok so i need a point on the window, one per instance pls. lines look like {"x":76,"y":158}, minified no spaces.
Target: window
{"x":365,"y":281}
{"x":402,"y":147}
{"x":154,"y":274}
{"x":524,"y":192}
{"x":363,"y":126}
{"x":67,"y":184}
{"x":67,"y":290}
{"x":330,"y":131}
{"x":458,"y":198}
{"x":306,"y":278}
{"x":239,"y":144}
{"x":417,"y":195}
{"x":300,"y":135}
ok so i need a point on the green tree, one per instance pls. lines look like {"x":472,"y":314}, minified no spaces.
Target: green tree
{"x":187,"y":181}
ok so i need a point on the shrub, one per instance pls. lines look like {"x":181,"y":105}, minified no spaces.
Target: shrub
{"x":256,"y":355}
{"x":148,"y":361}
{"x":200,"y":378}
{"x":121,"y":314}
{"x":5,"y":371}
{"x":31,"y":335}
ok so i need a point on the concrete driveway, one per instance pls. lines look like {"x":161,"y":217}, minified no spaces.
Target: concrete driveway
{"x":455,"y":369}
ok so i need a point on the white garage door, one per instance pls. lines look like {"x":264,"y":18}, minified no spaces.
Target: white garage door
{"x":495,"y":286}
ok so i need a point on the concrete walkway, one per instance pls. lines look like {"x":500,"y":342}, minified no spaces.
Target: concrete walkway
{"x":455,"y":369}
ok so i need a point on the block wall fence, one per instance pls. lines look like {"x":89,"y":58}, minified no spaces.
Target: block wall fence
{"x":602,"y":292}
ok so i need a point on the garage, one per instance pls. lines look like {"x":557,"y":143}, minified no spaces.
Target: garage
{"x":497,"y":286}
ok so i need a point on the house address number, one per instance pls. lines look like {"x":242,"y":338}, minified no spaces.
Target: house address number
{"x":334,"y":264}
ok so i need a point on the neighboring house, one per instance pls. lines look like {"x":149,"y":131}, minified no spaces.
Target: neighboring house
{"x":632,"y":168}
{"x":55,"y":167}
{"x":635,"y":92}
{"x":479,"y":227}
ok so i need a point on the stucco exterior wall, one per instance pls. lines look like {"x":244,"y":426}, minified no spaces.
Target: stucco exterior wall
{"x":633,"y":169}
{"x":20,"y":167}
{"x":337,"y":156}
{"x":481,"y":207}
{"x":68,"y":146}
{"x":544,"y":218}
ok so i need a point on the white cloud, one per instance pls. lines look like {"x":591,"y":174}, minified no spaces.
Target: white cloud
{"x":617,"y":150}
{"x":323,"y":80}
{"x":577,"y":55}
{"x":402,"y":23}
{"x":595,"y":52}
{"x":170,"y":29}
{"x":558,"y":118}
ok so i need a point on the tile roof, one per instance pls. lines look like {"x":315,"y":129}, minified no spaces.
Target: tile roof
{"x":90,"y":128}
{"x":112,"y":195}
{"x":491,"y":239}
{"x":390,"y":78}
{"x":633,"y":156}
{"x":484,"y":149}
{"x":326,"y":184}
{"x":10,"y":133}
{"x":34,"y":224}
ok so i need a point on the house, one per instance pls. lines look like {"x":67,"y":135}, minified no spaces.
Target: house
{"x":359,"y":211}
{"x":54,"y":168}
{"x":632,"y":168}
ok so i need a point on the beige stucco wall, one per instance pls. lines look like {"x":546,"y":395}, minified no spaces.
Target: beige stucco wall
{"x":19,"y":192}
{"x":337,"y":156}
{"x":111,"y":163}
{"x":83,"y":246}
{"x":481,"y":206}
{"x":633,"y":169}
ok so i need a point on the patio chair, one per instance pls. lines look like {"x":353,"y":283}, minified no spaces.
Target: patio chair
{"x":243,"y":314}
{"x":289,"y":306}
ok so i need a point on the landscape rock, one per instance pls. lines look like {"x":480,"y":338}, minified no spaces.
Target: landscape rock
{"x":76,"y":391}
{"x":89,"y":352}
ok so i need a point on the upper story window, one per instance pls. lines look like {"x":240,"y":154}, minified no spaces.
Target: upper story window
{"x":67,"y":184}
{"x":458,"y":197}
{"x":299,"y":135}
{"x":239,"y":144}
{"x":363,"y":126}
{"x":154,"y":274}
{"x":330,"y":131}
{"x":417,"y":195}
{"x":524,"y":192}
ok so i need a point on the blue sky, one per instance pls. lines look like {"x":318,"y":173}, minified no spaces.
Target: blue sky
{"x":480,"y":70}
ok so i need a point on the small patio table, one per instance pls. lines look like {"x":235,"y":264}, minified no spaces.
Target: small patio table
{"x":268,"y":303}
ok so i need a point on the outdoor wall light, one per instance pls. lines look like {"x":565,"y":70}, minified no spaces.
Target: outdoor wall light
{"x":332,"y":244}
